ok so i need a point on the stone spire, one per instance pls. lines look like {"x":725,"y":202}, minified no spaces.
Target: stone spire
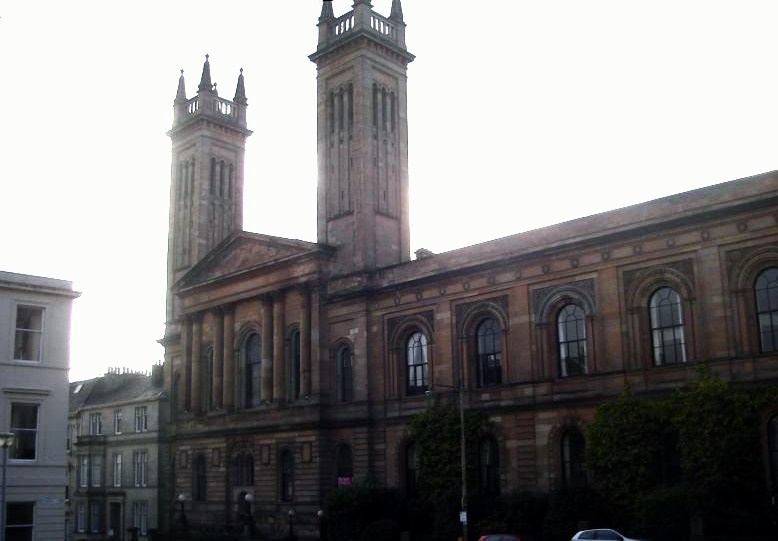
{"x":366,"y":2}
{"x":326,"y":11}
{"x":240,"y":90}
{"x":181,"y":92}
{"x":205,"y":79}
{"x":397,"y":11}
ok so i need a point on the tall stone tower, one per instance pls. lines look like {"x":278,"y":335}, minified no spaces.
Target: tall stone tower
{"x":206,"y":188}
{"x":362,"y":200}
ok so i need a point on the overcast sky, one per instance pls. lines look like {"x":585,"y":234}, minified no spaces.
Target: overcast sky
{"x":521,"y":114}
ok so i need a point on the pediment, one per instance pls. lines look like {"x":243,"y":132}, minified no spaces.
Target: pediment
{"x":242,"y":252}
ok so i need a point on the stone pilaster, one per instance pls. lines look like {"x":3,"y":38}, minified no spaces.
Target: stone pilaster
{"x":196,"y":390}
{"x":217,"y":378}
{"x":228,"y":347}
{"x":305,"y":342}
{"x":267,"y":349}
{"x":186,"y":381}
{"x":279,"y":357}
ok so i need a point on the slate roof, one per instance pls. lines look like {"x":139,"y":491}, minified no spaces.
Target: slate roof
{"x":115,"y":388}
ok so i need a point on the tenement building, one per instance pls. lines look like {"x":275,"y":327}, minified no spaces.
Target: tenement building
{"x":34,"y":359}
{"x":295,"y":366}
{"x":117,"y":456}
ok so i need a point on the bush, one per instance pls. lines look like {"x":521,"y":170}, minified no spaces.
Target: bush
{"x":665,"y":513}
{"x":569,"y":508}
{"x":519,"y":511}
{"x":348,"y":511}
{"x":381,"y":530}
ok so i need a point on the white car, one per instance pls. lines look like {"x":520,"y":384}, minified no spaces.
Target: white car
{"x":601,"y":534}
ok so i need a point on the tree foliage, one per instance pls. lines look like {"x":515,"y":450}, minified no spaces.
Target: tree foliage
{"x":436,"y":433}
{"x":709,"y":430}
{"x":718,"y":431}
{"x":623,"y":447}
{"x":349,"y":511}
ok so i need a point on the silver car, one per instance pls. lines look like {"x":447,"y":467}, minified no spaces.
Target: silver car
{"x":601,"y":534}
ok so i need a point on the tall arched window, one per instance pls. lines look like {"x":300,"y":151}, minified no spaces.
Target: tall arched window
{"x":572,"y":454}
{"x":208,"y":380}
{"x":416,"y":361}
{"x":287,"y":475}
{"x":200,"y":480}
{"x":344,"y":374}
{"x":766,"y":291}
{"x":344,"y":466}
{"x":243,"y":470}
{"x":489,"y":350}
{"x":252,"y":357}
{"x":175,"y":397}
{"x":667,"y":337}
{"x":411,"y":470}
{"x":571,"y":333}
{"x":294,"y":365}
{"x":488,"y":466}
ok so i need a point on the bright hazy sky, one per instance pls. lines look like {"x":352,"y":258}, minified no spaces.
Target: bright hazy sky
{"x":521,"y":114}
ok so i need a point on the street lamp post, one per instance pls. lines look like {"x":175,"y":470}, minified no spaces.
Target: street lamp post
{"x":182,"y":519}
{"x":249,"y":514}
{"x":462,"y":453}
{"x":291,"y":525}
{"x":7,"y":439}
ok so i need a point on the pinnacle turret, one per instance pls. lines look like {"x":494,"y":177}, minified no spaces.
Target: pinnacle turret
{"x":181,"y":92}
{"x":326,"y":11}
{"x":240,"y":90}
{"x":205,"y":79}
{"x":397,"y":11}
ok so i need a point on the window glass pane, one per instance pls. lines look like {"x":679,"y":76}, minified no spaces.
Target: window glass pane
{"x":416,"y":353}
{"x":571,"y":325}
{"x":94,"y":517}
{"x":19,"y":521}
{"x":97,"y":470}
{"x":666,"y":316}
{"x":573,"y":469}
{"x":489,"y":475}
{"x":287,"y":476}
{"x":294,"y":365}
{"x":117,"y":470}
{"x":29,"y":330}
{"x":411,"y":470}
{"x":345,"y":381}
{"x":24,"y":425}
{"x":766,"y":293}
{"x":209,"y":378}
{"x":489,"y":347}
{"x":252,"y":360}
{"x":20,"y":513}
{"x":345,"y":472}
{"x":200,"y":479}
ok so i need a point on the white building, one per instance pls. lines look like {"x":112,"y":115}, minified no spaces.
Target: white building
{"x":34,"y":359}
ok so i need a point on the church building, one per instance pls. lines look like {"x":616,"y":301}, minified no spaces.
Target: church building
{"x":294,"y":367}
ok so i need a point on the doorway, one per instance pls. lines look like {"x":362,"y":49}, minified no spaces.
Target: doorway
{"x":115,"y":521}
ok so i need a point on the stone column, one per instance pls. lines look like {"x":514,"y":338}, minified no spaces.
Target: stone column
{"x":305,"y":342}
{"x":279,"y":359}
{"x":196,"y":390}
{"x":217,"y":378}
{"x":267,"y":349}
{"x":228,"y":352}
{"x":185,"y":381}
